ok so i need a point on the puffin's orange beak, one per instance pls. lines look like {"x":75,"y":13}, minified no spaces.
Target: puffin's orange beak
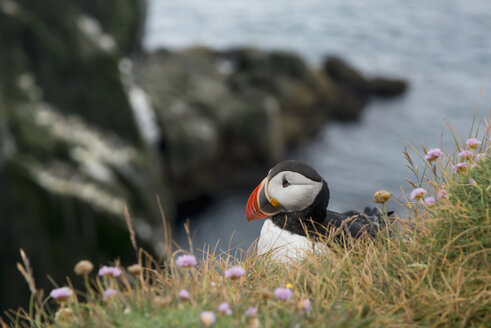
{"x":259,"y":205}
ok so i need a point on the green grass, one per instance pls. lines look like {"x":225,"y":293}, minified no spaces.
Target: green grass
{"x":434,"y":272}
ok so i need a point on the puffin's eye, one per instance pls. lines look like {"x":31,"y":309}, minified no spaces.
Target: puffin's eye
{"x":285,"y":183}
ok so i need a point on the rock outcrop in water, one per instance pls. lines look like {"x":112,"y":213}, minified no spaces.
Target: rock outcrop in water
{"x":224,"y":112}
{"x":356,"y":90}
{"x":84,"y":131}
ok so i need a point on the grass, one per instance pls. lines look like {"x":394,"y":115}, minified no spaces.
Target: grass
{"x":434,"y":272}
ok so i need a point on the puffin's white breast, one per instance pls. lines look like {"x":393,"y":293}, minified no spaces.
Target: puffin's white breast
{"x":284,"y":245}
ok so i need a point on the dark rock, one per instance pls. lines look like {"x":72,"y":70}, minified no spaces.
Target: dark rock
{"x":340,"y":71}
{"x":355,"y":89}
{"x":383,"y":87}
{"x":225,"y":111}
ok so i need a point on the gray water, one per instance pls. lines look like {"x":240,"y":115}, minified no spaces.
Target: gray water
{"x":442,"y":47}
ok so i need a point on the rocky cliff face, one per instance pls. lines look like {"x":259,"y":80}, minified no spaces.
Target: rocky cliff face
{"x":71,"y":155}
{"x":86,"y":131}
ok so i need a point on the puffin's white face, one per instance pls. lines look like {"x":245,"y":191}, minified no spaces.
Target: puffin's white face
{"x":292,"y":190}
{"x":290,"y":186}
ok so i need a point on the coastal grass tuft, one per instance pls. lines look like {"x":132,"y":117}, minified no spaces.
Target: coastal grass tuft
{"x":433,"y":271}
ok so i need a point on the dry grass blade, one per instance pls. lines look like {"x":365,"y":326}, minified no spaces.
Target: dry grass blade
{"x":127,"y":218}
{"x":187,"y":228}
{"x":27,"y":272}
{"x":168,"y":249}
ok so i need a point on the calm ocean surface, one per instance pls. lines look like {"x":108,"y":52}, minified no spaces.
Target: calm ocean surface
{"x":443,"y":47}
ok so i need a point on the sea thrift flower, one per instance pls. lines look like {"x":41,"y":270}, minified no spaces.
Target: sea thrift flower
{"x":472,"y":181}
{"x":109,"y":271}
{"x":381,"y":196}
{"x":224,"y":309}
{"x":473,"y":143}
{"x":207,"y":318}
{"x":442,"y":194}
{"x":465,"y":154}
{"x":429,"y":201}
{"x":108,"y":293}
{"x":417,"y":194}
{"x":251,"y":312}
{"x":234,"y":272}
{"x":480,"y":156}
{"x":283,"y":294}
{"x":183,"y":295}
{"x":186,"y":261}
{"x":433,"y":154}
{"x":61,"y":294}
{"x":460,"y":167}
{"x":135,"y":269}
{"x":83,"y":268}
{"x":304,"y":305}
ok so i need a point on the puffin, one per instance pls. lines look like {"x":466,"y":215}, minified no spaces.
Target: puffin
{"x":294,"y":199}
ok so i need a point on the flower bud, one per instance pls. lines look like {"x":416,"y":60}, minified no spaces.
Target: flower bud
{"x":381,"y":196}
{"x":135,"y":269}
{"x":207,"y":318}
{"x":83,"y":268}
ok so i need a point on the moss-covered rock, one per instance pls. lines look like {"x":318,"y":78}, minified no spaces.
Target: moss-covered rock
{"x":72,"y":59}
{"x":71,"y":155}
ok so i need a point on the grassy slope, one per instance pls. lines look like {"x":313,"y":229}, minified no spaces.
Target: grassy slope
{"x":435,"y":273}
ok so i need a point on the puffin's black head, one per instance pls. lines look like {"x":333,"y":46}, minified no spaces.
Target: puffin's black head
{"x":291,"y":186}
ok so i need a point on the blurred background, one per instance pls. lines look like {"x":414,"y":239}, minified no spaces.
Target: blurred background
{"x":106,"y":104}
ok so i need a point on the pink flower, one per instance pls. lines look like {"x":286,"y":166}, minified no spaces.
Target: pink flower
{"x":109,"y":293}
{"x":480,"y":156}
{"x":283,"y":294}
{"x":429,"y":201}
{"x":442,"y":194}
{"x":460,"y":167}
{"x":473,"y":143}
{"x":251,"y":312}
{"x":465,"y":154}
{"x":207,"y":318}
{"x":186,"y":261}
{"x":224,"y":309}
{"x":472,"y":181}
{"x":417,"y":194}
{"x":61,"y":294}
{"x":433,"y":154}
{"x":234,"y":272}
{"x":305,"y":305}
{"x":109,"y":271}
{"x":183,"y":294}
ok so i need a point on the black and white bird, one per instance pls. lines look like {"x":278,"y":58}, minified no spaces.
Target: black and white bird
{"x":295,"y":198}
